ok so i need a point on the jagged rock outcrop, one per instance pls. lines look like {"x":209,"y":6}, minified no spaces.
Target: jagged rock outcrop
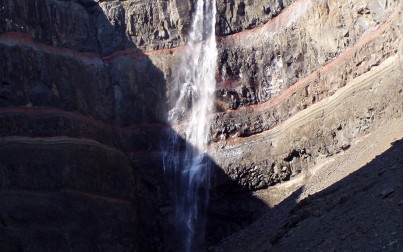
{"x":267,"y":61}
{"x":235,"y":16}
{"x":86,"y":85}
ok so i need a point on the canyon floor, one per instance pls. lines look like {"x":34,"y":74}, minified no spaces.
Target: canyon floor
{"x":350,"y":202}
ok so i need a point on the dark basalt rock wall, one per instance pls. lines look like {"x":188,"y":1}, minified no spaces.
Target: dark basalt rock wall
{"x":75,"y":118}
{"x":66,"y":194}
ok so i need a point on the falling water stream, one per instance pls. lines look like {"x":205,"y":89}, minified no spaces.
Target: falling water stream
{"x":189,"y":168}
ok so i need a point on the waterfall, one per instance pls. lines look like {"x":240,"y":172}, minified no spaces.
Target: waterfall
{"x":187,"y":164}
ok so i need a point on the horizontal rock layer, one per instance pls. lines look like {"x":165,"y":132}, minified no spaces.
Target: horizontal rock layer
{"x":111,"y":25}
{"x":58,"y":193}
{"x":35,"y":74}
{"x":322,"y":130}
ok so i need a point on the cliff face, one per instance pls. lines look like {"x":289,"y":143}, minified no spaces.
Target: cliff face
{"x":85,"y":87}
{"x":321,"y":47}
{"x":76,"y":115}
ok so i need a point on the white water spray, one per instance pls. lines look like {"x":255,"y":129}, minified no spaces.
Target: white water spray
{"x":189,"y":169}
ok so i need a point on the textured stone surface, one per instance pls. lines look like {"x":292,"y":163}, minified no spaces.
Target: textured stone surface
{"x":85,"y":87}
{"x":108,"y":26}
{"x":235,"y":16}
{"x":320,"y":208}
{"x":58,"y":23}
{"x":38,"y":75}
{"x":290,"y":148}
{"x":307,"y":35}
{"x":69,"y":116}
{"x":322,"y":83}
{"x":64,"y":193}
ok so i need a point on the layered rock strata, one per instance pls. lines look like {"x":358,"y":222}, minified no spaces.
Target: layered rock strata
{"x":85,"y":87}
{"x":316,"y":117}
{"x":380,"y":43}
{"x":117,"y":25}
{"x":74,"y":121}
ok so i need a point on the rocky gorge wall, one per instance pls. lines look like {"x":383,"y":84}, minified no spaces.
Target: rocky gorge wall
{"x":73,"y":117}
{"x":315,"y":114}
{"x":86,"y":87}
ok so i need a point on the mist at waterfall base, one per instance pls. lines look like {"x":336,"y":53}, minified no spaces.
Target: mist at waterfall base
{"x":188,"y":167}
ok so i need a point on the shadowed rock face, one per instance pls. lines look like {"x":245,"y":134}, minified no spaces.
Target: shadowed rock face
{"x":85,"y":87}
{"x":75,"y":119}
{"x":65,"y":194}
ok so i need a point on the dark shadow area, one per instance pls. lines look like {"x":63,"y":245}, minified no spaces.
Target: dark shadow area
{"x":74,"y":120}
{"x":238,"y":221}
{"x":361,"y":212}
{"x":229,"y":209}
